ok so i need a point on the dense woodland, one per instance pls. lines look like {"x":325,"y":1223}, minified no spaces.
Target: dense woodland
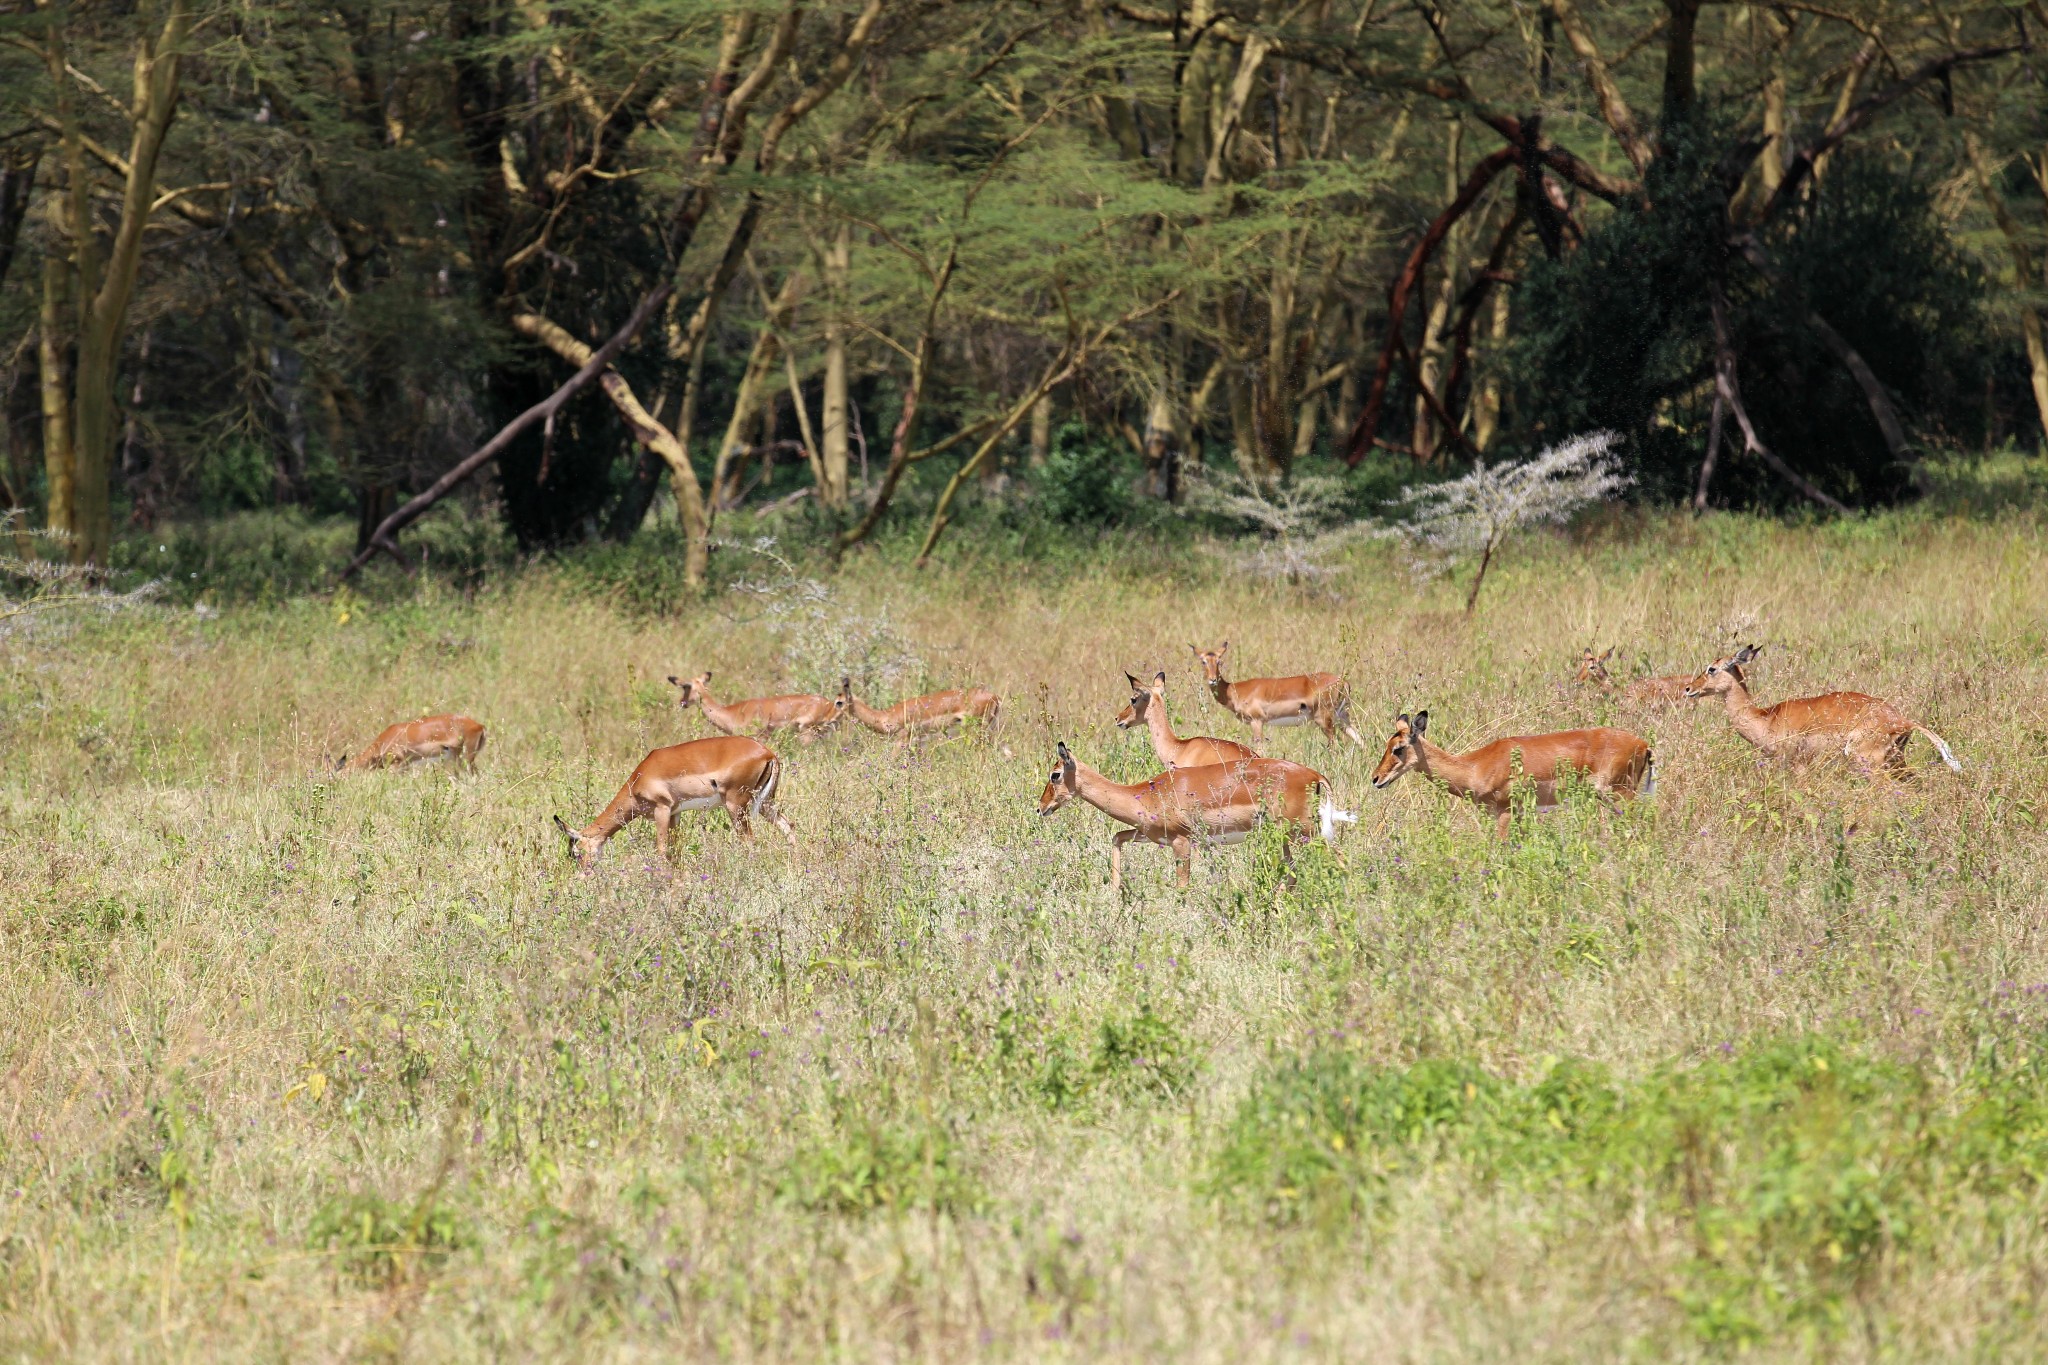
{"x":877,"y":258}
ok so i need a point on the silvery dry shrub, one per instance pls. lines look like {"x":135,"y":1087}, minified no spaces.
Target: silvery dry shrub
{"x":1452,"y":521}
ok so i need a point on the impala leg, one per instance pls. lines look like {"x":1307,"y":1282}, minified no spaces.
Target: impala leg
{"x":736,"y":811}
{"x":1258,"y":734}
{"x":781,"y":822}
{"x":1116,"y":858}
{"x":1184,"y":860}
{"x":1500,"y":820}
{"x":664,"y":815}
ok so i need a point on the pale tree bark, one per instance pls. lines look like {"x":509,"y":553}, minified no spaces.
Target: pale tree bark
{"x":747,"y":398}
{"x":1486,"y":407}
{"x":1614,"y":108}
{"x":833,"y":436}
{"x":53,"y":346}
{"x":1423,"y":437}
{"x":1041,"y":430}
{"x":104,"y":285}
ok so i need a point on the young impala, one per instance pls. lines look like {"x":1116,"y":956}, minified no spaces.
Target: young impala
{"x":733,"y":771}
{"x":455,"y":737}
{"x":1218,"y":804}
{"x":809,"y":716}
{"x":927,"y":714}
{"x":1323,"y":698}
{"x":1870,"y":731}
{"x":1609,"y":760}
{"x":1147,"y":707}
{"x":1668,"y":690}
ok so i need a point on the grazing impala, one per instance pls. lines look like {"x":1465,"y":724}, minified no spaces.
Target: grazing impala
{"x":925,"y":715}
{"x":809,"y":716}
{"x":1219,"y":803}
{"x":1609,"y":760}
{"x":454,"y":737}
{"x":1147,"y":707}
{"x":738,"y":773}
{"x":1668,"y":690}
{"x":1870,"y":731}
{"x":1323,"y":698}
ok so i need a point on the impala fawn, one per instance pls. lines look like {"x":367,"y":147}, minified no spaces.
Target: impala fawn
{"x":733,"y":771}
{"x":1610,"y":761}
{"x":1870,"y":731}
{"x":1668,"y":690}
{"x":453,"y":737}
{"x":802,"y":712}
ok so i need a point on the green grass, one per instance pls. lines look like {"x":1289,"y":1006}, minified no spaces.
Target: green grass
{"x":308,"y":1066}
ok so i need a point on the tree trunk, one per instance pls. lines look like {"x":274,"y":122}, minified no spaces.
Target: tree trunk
{"x":104,"y":289}
{"x":835,"y":489}
{"x":52,"y":350}
{"x":1041,"y":431}
{"x":2024,"y":278}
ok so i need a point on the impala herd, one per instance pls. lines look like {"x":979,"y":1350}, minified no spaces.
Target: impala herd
{"x":1213,"y":791}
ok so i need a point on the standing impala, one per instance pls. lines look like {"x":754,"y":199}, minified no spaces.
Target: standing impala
{"x":1323,"y":698}
{"x":732,"y":771}
{"x":1609,"y":760}
{"x":809,"y":716}
{"x":454,"y":737}
{"x":927,"y":714}
{"x":1147,"y":707}
{"x":1220,"y":804}
{"x":1869,"y":730}
{"x":1668,"y":690}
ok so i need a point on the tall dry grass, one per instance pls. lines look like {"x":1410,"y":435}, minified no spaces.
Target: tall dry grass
{"x":300,"y":1065}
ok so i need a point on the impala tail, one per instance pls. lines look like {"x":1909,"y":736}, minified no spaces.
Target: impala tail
{"x":769,"y":782}
{"x":1941,"y":745}
{"x":1329,"y":815}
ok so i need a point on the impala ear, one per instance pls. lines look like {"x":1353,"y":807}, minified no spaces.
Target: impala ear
{"x":1403,"y":719}
{"x":1608,"y":655}
{"x":340,"y":762}
{"x":563,"y":825}
{"x":1223,"y":648}
{"x":1065,"y":757}
{"x":1421,"y":724}
{"x":1159,"y":678}
{"x":1131,"y":678}
{"x":674,"y":681}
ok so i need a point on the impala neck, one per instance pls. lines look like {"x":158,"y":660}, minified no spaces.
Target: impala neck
{"x":883,"y":722}
{"x":1113,"y":799}
{"x":1747,"y":717}
{"x":1458,"y":773}
{"x":1219,"y":688}
{"x":1164,"y":741}
{"x":614,"y":817}
{"x":719,"y":715}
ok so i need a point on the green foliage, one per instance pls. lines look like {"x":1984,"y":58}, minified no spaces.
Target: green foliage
{"x":1788,"y":1169}
{"x":1618,"y":336}
{"x":382,"y":1244}
{"x":862,"y":1164}
{"x":1086,"y":482}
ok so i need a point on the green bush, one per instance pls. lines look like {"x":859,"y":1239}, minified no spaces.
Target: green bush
{"x":864,"y":1164}
{"x":1086,"y":481}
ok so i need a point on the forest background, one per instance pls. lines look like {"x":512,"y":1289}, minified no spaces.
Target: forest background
{"x":879,"y":266}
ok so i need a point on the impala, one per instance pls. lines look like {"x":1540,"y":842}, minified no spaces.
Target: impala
{"x":1220,"y":804}
{"x":809,"y":716}
{"x":1147,"y":707}
{"x":1609,"y":760}
{"x":1323,"y":698}
{"x":1869,"y":730}
{"x":1668,"y":690}
{"x":454,"y":737}
{"x":733,"y":771}
{"x":927,"y":714}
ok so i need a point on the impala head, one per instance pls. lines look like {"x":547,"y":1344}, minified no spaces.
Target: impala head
{"x":1134,"y":709}
{"x":1593,"y":667}
{"x":1212,"y":661}
{"x":1404,"y":749}
{"x":1061,"y":786}
{"x":583,"y":850}
{"x":1722,"y":675}
{"x":690,"y":689}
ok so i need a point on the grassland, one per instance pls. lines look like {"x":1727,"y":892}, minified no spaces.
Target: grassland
{"x":304,"y":1066}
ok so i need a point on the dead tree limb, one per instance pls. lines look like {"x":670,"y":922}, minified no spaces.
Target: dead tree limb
{"x":1714,"y":424}
{"x":1729,"y":388}
{"x":1366,"y":433}
{"x":381,"y":538}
